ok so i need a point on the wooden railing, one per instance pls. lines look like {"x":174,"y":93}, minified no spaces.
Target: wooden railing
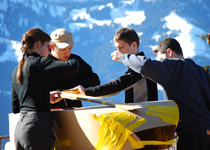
{"x":3,"y":137}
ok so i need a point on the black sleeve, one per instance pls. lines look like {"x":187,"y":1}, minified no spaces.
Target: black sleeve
{"x":114,"y":86}
{"x":14,"y":97}
{"x":53,"y":67}
{"x":89,"y":78}
{"x":15,"y":102}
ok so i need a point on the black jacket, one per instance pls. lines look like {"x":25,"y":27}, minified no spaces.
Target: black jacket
{"x":34,"y":93}
{"x":136,"y":87}
{"x":85,"y":77}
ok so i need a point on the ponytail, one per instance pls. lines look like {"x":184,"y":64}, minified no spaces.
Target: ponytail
{"x":28,"y":40}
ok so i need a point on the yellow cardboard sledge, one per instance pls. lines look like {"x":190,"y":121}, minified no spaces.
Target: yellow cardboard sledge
{"x":107,"y":128}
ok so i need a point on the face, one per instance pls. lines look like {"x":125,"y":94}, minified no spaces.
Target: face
{"x":161,"y":55}
{"x":62,"y":54}
{"x":125,"y":48}
{"x":44,"y":49}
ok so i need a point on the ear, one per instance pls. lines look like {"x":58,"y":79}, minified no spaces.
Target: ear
{"x":170,"y":52}
{"x":134,"y":44}
{"x":38,"y":44}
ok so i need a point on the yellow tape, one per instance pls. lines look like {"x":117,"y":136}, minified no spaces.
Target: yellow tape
{"x":112,"y":129}
{"x":168,"y":114}
{"x":62,"y":143}
{"x":104,"y":102}
{"x":113,"y":132}
{"x":140,"y":144}
{"x":128,"y":131}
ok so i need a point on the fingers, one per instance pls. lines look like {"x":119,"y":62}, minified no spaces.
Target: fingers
{"x":80,"y":89}
{"x":55,"y":97}
{"x":116,"y":55}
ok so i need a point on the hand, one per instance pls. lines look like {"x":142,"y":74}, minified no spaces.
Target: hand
{"x":116,"y":55}
{"x":80,"y":89}
{"x":54,"y":97}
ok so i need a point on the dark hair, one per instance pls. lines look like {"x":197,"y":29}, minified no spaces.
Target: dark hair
{"x":171,"y":43}
{"x":28,"y":40}
{"x":127,"y":35}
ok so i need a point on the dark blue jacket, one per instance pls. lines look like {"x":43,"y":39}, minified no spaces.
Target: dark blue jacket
{"x":184,"y":82}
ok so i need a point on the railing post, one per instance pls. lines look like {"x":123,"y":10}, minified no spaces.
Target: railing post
{"x":3,"y":137}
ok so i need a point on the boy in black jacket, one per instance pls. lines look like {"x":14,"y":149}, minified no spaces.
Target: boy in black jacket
{"x":136,"y":87}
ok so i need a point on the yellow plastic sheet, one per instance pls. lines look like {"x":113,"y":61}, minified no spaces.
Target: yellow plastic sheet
{"x":115,"y":128}
{"x":113,"y":132}
{"x":168,"y":114}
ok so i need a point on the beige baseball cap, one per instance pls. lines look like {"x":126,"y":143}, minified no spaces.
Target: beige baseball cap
{"x":62,"y":38}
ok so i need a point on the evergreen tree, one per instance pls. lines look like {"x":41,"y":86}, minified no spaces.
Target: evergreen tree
{"x":207,"y":68}
{"x":203,"y":38}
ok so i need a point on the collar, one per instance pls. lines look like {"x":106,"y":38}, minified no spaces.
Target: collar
{"x":140,"y":53}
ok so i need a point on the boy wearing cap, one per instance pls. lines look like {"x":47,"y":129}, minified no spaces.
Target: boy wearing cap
{"x":61,"y":47}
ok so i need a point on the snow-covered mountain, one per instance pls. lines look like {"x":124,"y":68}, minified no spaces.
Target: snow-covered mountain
{"x":93,"y":24}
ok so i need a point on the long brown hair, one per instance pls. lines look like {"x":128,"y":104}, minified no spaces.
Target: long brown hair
{"x":28,"y":40}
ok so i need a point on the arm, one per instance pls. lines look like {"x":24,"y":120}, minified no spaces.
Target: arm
{"x":114,"y":86}
{"x":159,"y":71}
{"x":15,"y":102}
{"x":54,"y":67}
{"x":88,"y":77}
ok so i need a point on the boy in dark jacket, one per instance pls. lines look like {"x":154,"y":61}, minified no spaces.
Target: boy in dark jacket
{"x":136,"y":87}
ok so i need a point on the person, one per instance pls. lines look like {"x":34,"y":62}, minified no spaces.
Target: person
{"x":61,"y":48}
{"x":185,"y":82}
{"x":30,"y":94}
{"x":136,"y":87}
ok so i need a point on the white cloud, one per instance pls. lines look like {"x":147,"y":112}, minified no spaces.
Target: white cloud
{"x":186,"y":34}
{"x":156,"y":36}
{"x":17,"y":47}
{"x":110,"y":5}
{"x":125,"y":18}
{"x":88,"y":20}
{"x":9,"y":54}
{"x":174,"y":22}
{"x":131,"y":17}
{"x":101,"y":7}
{"x":140,"y":33}
{"x":129,"y":2}
{"x":82,"y":14}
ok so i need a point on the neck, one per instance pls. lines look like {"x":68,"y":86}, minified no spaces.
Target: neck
{"x":178,"y":56}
